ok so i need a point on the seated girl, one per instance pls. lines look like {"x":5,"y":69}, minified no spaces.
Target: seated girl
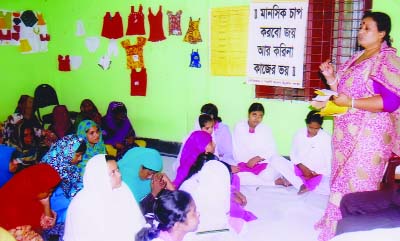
{"x":90,"y":132}
{"x":118,"y":133}
{"x":88,"y":112}
{"x":24,"y":203}
{"x":140,"y":168}
{"x":208,"y":181}
{"x":105,"y":208}
{"x":254,"y":147}
{"x":62,"y":124}
{"x":63,"y":156}
{"x":176,"y":215}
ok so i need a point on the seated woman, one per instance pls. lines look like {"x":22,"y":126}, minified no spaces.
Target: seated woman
{"x":197,"y":143}
{"x":26,"y":142}
{"x":88,"y":112}
{"x":208,"y":181}
{"x":9,"y":163}
{"x":140,"y":169}
{"x":254,"y":147}
{"x":118,"y":133}
{"x":62,"y":124}
{"x":89,"y":131}
{"x":311,"y":154}
{"x":176,"y":214}
{"x":64,"y":156}
{"x":24,"y":203}
{"x":105,"y":208}
{"x":221,"y":135}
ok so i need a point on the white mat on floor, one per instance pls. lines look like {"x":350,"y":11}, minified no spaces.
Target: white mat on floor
{"x":282,"y":214}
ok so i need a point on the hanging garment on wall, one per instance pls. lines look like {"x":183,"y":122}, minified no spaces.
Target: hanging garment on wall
{"x":27,"y":29}
{"x":138,"y":82}
{"x":75,"y":62}
{"x":112,"y":48}
{"x":134,"y":53}
{"x":156,"y":26}
{"x":193,"y":35}
{"x":40,"y":19}
{"x":80,"y":29}
{"x":92,"y":43}
{"x":174,"y":23}
{"x":136,"y":22}
{"x":64,"y":63}
{"x":5,"y":20}
{"x":112,"y":26}
{"x":195,"y":59}
{"x":105,"y":62}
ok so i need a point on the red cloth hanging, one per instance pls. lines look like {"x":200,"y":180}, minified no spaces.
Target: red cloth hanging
{"x":112,"y":26}
{"x":156,"y":26}
{"x":138,"y":82}
{"x":136,"y":22}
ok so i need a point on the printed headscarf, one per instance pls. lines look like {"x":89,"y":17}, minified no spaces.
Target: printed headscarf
{"x":130,"y":165}
{"x":59,"y":157}
{"x":91,"y":151}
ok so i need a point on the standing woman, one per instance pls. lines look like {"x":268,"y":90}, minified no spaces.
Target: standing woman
{"x":24,"y":204}
{"x":363,"y":138}
{"x":89,"y":131}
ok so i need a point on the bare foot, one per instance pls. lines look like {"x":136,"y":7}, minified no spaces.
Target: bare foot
{"x":282,"y":182}
{"x":303,"y":189}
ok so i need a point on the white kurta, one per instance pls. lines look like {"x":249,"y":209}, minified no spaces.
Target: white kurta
{"x":247,"y":145}
{"x":210,"y":189}
{"x":100,"y":213}
{"x":313,"y":152}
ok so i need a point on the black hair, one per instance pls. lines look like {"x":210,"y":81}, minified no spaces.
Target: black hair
{"x":256,"y":107}
{"x":212,"y":110}
{"x":110,"y":158}
{"x":203,"y":119}
{"x":82,"y":147}
{"x":314,"y":116}
{"x":383,"y":23}
{"x":169,"y":208}
{"x":202,"y":158}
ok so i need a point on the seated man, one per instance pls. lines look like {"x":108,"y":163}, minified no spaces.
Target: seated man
{"x":369,"y":210}
{"x":310,"y":156}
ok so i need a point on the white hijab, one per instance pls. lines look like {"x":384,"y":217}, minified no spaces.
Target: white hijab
{"x":210,"y":189}
{"x":100,"y":213}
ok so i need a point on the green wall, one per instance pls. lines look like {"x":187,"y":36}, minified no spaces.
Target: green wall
{"x":175,"y":92}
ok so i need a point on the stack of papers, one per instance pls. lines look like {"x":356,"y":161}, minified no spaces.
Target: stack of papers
{"x":327,"y":107}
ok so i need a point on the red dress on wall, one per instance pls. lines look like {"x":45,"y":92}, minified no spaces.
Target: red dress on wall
{"x":136,"y":22}
{"x":112,"y":26}
{"x":156,"y":26}
{"x":138,"y":82}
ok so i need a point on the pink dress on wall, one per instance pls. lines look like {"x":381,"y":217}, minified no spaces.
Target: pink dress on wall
{"x":362,"y":141}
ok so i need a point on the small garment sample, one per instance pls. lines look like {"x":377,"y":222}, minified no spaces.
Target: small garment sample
{"x":195,"y":59}
{"x":64,"y":63}
{"x":80,"y":29}
{"x":92,"y":43}
{"x":174,"y":23}
{"x":105,"y":62}
{"x":75,"y":62}
{"x":40,"y":19}
{"x":112,"y":48}
{"x":156,"y":26}
{"x":29,"y":18}
{"x":193,"y":35}
{"x":136,"y":22}
{"x":112,"y":26}
{"x":138,"y":82}
{"x":134,"y":53}
{"x":5,"y":20}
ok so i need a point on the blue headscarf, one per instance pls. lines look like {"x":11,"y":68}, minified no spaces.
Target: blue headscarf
{"x":5,"y":156}
{"x":59,"y":157}
{"x":91,"y":151}
{"x":130,"y":165}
